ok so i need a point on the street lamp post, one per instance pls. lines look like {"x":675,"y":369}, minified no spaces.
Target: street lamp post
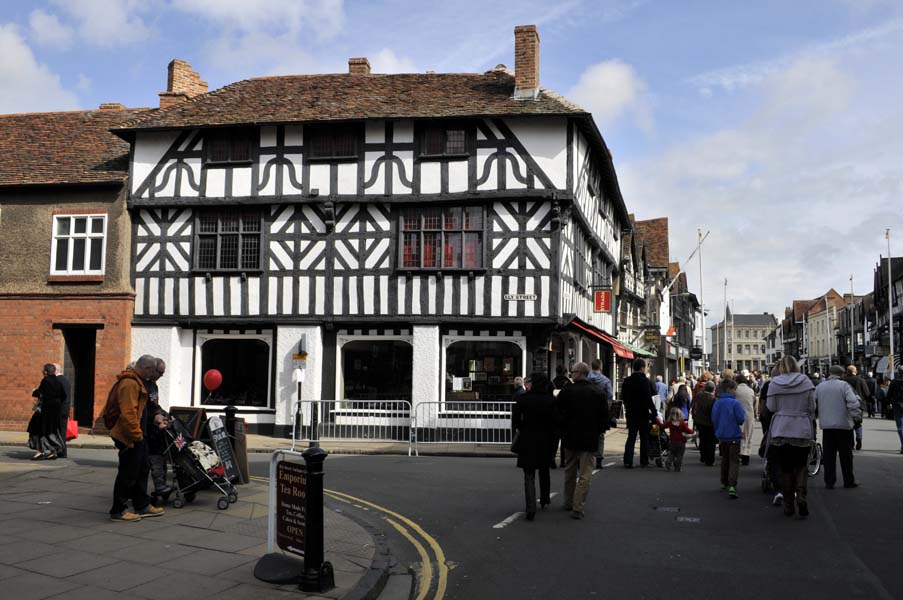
{"x":890,"y":309}
{"x":852,"y":326}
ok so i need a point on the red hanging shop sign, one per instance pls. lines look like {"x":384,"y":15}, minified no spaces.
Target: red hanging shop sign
{"x":602,"y":300}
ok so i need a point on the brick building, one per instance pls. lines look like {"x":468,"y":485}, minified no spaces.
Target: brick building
{"x":65,"y":294}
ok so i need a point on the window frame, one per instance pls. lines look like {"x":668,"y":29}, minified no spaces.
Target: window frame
{"x":88,"y":235}
{"x":229,"y":134}
{"x":442,"y":231}
{"x":423,"y":127}
{"x":317,"y":129}
{"x":197,"y":235}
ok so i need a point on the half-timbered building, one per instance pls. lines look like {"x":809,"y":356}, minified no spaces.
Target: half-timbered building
{"x":426,"y":237}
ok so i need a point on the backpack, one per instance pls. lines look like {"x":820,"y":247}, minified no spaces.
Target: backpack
{"x":111,"y":412}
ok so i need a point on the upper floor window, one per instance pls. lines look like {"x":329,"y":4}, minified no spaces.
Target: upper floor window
{"x":442,"y":238}
{"x":332,"y":141}
{"x":79,"y":244}
{"x":439,"y":140}
{"x":228,"y":146}
{"x":228,"y":240}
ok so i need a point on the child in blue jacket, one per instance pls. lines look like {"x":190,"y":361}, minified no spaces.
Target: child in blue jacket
{"x":728,"y":417}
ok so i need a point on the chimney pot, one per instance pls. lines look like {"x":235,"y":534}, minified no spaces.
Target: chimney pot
{"x":358,"y":66}
{"x":526,"y":62}
{"x":181,"y":84}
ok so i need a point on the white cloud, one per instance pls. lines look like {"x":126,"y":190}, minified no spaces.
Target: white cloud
{"x":797,"y":193}
{"x":108,"y":23}
{"x":31,"y":86}
{"x":84,"y":83}
{"x":47,"y":30}
{"x":386,"y":61}
{"x":323,"y":18}
{"x":612,"y":90}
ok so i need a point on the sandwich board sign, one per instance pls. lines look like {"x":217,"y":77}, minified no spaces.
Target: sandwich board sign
{"x":220,"y":438}
{"x":291,"y":500}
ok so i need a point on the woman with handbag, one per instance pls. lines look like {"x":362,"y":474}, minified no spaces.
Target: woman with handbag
{"x":46,"y":439}
{"x":533,"y":424}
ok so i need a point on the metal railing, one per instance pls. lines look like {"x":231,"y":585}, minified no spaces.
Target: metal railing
{"x":465,"y":422}
{"x":356,"y":421}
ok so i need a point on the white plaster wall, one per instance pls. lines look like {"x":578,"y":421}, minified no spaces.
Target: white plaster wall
{"x":546,"y":141}
{"x":174,"y":346}
{"x":287,"y":339}
{"x":427,"y":366}
{"x":149,"y":149}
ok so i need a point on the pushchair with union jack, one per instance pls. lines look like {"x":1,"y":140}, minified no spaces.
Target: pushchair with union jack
{"x":195,"y":467}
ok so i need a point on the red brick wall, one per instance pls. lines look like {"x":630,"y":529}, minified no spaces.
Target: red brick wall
{"x":526,"y":57}
{"x":28,"y":341}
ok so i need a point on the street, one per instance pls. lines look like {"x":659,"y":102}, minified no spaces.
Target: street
{"x":646,"y":531}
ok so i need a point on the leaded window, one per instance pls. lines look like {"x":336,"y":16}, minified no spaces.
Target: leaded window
{"x":442,"y":238}
{"x":228,"y":146}
{"x":228,"y":240}
{"x":443,"y":140}
{"x":335,"y":142}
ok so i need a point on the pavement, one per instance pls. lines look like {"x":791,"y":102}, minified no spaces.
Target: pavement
{"x":57,"y":540}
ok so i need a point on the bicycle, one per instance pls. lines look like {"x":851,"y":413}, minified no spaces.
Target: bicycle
{"x":815,"y":455}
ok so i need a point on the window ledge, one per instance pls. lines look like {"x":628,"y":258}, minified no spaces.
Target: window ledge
{"x":331,"y":159}
{"x":435,"y":157}
{"x":75,"y":278}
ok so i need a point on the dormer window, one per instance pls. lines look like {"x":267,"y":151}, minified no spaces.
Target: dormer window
{"x":332,"y":142}
{"x":443,"y":140}
{"x":229,"y":146}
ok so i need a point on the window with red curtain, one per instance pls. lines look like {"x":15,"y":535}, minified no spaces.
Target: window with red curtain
{"x":442,"y":238}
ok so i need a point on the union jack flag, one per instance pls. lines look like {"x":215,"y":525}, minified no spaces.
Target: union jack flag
{"x":180,"y":441}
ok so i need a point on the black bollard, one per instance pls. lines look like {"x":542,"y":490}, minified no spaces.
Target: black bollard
{"x":230,"y":411}
{"x":318,"y":574}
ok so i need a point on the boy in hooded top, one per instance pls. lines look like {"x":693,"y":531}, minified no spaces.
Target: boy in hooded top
{"x":728,"y":417}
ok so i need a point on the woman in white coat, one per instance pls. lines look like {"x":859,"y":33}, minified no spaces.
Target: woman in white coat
{"x":747,"y":398}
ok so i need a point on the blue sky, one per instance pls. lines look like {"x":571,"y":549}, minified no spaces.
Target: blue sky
{"x":777,"y":125}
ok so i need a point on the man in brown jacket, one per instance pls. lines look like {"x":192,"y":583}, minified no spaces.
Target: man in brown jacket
{"x":130,"y":398}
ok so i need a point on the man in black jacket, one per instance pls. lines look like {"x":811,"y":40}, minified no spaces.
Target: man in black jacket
{"x":582,"y":419}
{"x":65,"y":408}
{"x":637,"y":393}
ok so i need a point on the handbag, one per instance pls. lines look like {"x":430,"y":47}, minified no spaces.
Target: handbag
{"x":516,"y":443}
{"x":71,"y":430}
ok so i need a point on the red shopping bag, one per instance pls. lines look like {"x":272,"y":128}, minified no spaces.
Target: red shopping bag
{"x":71,"y":430}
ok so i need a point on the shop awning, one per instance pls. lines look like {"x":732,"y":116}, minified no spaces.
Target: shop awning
{"x":619,"y":348}
{"x":638,"y":351}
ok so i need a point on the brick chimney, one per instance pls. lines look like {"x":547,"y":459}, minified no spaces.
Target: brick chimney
{"x":358,"y":66}
{"x":526,"y":62}
{"x":111,"y":106}
{"x":181,"y":84}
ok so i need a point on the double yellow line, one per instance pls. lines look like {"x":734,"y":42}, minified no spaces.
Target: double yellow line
{"x":405,"y":527}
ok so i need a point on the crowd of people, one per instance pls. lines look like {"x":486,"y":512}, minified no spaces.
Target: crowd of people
{"x":574,"y":409}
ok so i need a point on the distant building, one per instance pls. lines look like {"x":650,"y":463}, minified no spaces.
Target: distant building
{"x":744,"y":347}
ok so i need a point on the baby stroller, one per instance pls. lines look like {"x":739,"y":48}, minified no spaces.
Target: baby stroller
{"x":659,"y":444}
{"x":195,"y":467}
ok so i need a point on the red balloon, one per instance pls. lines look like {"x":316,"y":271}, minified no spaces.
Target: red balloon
{"x":212,"y":379}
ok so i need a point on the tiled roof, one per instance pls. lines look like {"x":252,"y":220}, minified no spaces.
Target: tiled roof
{"x":338,"y":97}
{"x":63,"y":147}
{"x":655,"y":233}
{"x":801,"y":307}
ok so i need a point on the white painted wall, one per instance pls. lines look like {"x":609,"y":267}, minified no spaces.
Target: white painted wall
{"x":428,"y":374}
{"x":546,"y":141}
{"x":287,"y":339}
{"x":149,"y":149}
{"x":174,"y":346}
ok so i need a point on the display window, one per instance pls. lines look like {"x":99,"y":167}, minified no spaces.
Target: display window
{"x":484,"y":371}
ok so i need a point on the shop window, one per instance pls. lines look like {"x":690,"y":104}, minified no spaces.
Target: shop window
{"x":442,"y":238}
{"x":245,"y":365}
{"x":484,"y":371}
{"x":377,"y":370}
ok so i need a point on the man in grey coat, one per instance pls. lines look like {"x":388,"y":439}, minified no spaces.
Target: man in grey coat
{"x":838,"y":410}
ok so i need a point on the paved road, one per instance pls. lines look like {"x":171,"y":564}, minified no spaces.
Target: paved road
{"x":626,"y":548}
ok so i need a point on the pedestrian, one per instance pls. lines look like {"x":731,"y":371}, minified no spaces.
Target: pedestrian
{"x":661,"y":393}
{"x":700,"y":385}
{"x":65,"y":408}
{"x":681,"y":400}
{"x":125,"y":417}
{"x":872,"y":384}
{"x":839,"y":409}
{"x":747,"y":398}
{"x":677,"y":431}
{"x":894,"y":402}
{"x":156,"y":442}
{"x":702,"y":422}
{"x":561,"y":377}
{"x":681,"y":380}
{"x":791,"y":400}
{"x":533,"y":421}
{"x":637,"y":392}
{"x":768,"y":452}
{"x":860,"y":388}
{"x":518,"y":388}
{"x":581,"y":422}
{"x":728,"y":417}
{"x":47,"y":438}
{"x":603,"y":385}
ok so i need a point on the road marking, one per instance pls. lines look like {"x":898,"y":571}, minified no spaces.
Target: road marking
{"x":426,"y":572}
{"x":434,"y":545}
{"x":596,"y":471}
{"x":512,"y":518}
{"x":688,"y":519}
{"x":611,"y":464}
